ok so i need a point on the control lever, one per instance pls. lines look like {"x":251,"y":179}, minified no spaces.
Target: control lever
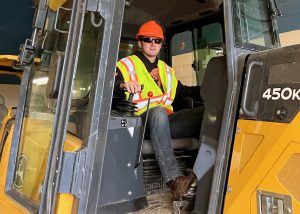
{"x":150,"y":94}
{"x":127,"y":108}
{"x":130,"y":97}
{"x":132,"y":94}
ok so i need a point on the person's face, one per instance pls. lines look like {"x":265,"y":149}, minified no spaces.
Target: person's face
{"x":150,"y":46}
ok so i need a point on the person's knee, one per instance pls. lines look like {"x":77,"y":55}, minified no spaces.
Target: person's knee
{"x":158,"y":116}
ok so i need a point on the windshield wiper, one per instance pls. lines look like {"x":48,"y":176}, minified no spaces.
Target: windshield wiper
{"x":274,"y":13}
{"x":274,"y":8}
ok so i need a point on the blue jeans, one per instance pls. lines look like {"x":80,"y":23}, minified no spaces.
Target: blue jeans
{"x":161,"y":128}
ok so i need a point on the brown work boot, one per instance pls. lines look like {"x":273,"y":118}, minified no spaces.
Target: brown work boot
{"x":180,"y":186}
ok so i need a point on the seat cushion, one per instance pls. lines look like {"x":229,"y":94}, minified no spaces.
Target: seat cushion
{"x":178,"y":143}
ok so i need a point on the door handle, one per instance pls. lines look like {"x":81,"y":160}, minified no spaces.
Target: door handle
{"x":246,"y":89}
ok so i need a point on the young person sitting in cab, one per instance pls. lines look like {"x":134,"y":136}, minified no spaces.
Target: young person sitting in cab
{"x":145,"y":68}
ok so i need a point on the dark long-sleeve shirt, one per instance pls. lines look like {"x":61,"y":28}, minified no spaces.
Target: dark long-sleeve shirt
{"x":181,"y":91}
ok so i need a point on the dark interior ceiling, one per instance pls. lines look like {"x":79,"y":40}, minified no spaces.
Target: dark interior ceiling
{"x":168,"y":13}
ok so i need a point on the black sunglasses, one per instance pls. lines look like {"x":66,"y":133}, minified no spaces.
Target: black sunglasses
{"x":150,"y":40}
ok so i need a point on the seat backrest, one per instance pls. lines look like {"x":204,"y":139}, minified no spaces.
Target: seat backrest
{"x":213,"y":92}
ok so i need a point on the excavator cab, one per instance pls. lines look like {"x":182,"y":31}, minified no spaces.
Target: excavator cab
{"x":67,"y":151}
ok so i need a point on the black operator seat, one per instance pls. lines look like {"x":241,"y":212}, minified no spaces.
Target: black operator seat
{"x":178,"y":143}
{"x":189,"y":144}
{"x":213,"y":92}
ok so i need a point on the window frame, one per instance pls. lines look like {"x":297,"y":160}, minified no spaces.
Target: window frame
{"x":237,"y":30}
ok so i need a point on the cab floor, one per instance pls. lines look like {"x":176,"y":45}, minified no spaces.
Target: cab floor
{"x":159,"y":203}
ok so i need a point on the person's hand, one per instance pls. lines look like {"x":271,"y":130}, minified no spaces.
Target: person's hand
{"x":131,"y":86}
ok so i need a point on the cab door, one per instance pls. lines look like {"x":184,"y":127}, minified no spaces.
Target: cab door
{"x":59,"y":106}
{"x":26,"y":151}
{"x":63,"y":112}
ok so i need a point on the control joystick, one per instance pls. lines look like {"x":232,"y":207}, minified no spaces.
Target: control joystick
{"x":127,"y":107}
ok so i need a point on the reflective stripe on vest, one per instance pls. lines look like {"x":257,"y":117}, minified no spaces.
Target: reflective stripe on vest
{"x":130,"y":66}
{"x":169,"y":76}
{"x":130,"y":69}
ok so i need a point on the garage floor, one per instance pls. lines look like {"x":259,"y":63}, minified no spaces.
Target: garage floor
{"x":161,"y":203}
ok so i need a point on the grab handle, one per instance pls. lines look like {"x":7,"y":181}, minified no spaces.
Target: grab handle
{"x":246,"y":89}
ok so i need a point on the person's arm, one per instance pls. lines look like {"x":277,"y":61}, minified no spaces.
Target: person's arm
{"x":187,"y":91}
{"x":118,"y":92}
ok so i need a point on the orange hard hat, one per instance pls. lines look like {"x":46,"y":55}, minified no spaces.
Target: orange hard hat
{"x":151,"y":29}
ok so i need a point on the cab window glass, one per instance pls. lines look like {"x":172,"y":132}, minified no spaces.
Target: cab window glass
{"x":85,"y":77}
{"x":253,"y":25}
{"x":38,"y":114}
{"x":183,"y":57}
{"x":127,"y":48}
{"x":192,"y":49}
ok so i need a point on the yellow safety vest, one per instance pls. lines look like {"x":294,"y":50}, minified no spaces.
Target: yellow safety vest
{"x":133,"y":69}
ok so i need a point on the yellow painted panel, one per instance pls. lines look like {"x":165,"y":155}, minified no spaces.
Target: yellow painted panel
{"x":271,"y":182}
{"x":66,"y":204}
{"x":289,"y":175}
{"x":11,"y":57}
{"x":72,"y":143}
{"x":34,"y":145}
{"x":250,"y":144}
{"x":9,"y":61}
{"x":266,"y":158}
{"x":55,"y":4}
{"x":36,"y":133}
{"x":8,"y":58}
{"x":7,"y":205}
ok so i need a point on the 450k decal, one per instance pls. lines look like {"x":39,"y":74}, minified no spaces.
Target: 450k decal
{"x":281,"y":93}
